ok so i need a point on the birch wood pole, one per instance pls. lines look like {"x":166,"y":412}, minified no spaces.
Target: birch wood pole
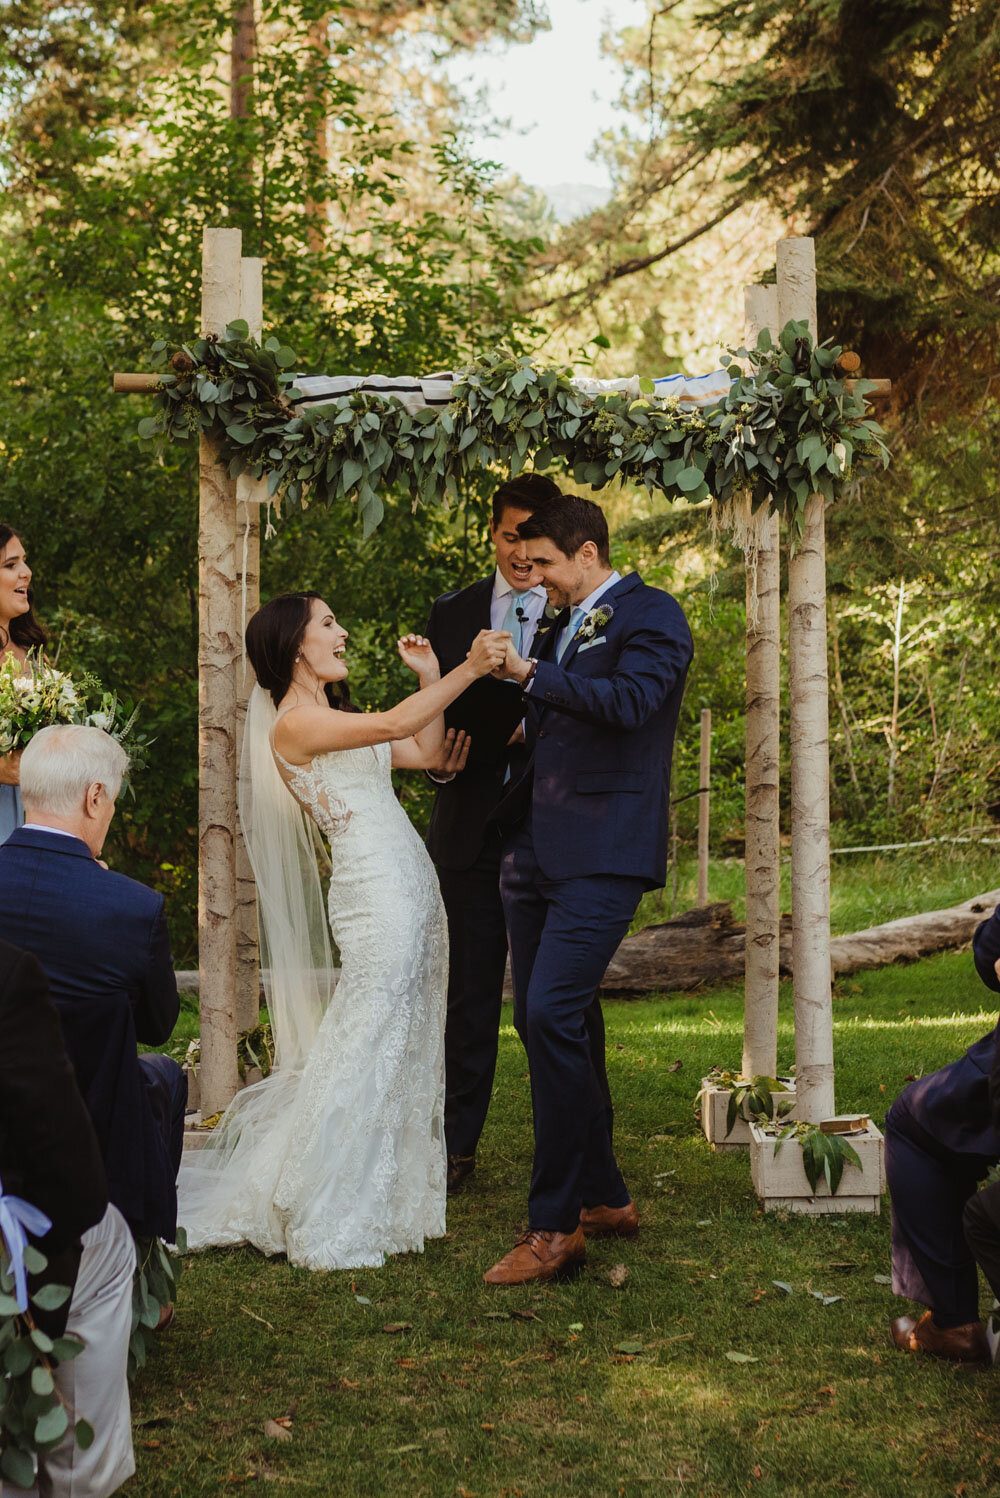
{"x":218,"y":656}
{"x":810,"y":757}
{"x":249,"y":495}
{"x":763,"y":666}
{"x":704,"y":802}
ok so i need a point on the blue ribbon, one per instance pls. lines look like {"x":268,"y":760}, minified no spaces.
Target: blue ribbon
{"x":17,"y":1219}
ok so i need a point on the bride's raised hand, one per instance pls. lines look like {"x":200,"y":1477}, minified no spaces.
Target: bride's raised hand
{"x":415,"y":651}
{"x":489,"y":650}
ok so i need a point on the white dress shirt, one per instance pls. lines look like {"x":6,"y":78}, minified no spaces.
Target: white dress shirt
{"x":587,"y":604}
{"x":532,"y":605}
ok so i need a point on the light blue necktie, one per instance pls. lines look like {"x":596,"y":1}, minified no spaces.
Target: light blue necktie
{"x":511,"y":620}
{"x":575,"y":619}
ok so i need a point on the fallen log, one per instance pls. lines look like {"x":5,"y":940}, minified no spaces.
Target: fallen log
{"x":913,"y":936}
{"x":704,"y":947}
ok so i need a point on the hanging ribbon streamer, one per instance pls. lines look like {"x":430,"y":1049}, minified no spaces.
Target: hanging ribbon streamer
{"x":243,"y":590}
{"x":18,"y":1218}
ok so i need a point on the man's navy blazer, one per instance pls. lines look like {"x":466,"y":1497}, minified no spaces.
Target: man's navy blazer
{"x":600,"y":738}
{"x":102,"y":940}
{"x":959,"y":1106}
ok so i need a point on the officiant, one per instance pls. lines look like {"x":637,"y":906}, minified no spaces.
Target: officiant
{"x":461,"y":839}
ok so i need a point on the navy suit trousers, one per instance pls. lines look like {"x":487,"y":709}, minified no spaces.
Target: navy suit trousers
{"x":930,"y":1185}
{"x":167,"y":1090}
{"x":563,"y":933}
{"x":477,"y":940}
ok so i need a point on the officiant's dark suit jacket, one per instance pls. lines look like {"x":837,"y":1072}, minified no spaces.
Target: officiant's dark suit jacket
{"x":465,"y":845}
{"x":48,"y":1152}
{"x":103,"y":943}
{"x":600,"y":736}
{"x":460,"y":821}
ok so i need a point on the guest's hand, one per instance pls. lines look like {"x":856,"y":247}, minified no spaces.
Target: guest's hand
{"x":513,"y":668}
{"x":996,"y":967}
{"x":10,"y":768}
{"x":455,"y":753}
{"x":517,"y":737}
{"x":415,"y":651}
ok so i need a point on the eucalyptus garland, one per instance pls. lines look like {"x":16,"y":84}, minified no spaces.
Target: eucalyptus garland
{"x":787,"y":427}
{"x":33,"y":1418}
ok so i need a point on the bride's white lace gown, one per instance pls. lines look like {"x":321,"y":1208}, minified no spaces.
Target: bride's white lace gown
{"x":343,"y":1161}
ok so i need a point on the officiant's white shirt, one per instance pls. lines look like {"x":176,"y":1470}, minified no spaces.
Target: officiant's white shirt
{"x":533,"y":606}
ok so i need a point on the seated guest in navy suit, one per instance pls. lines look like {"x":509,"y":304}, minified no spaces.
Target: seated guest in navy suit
{"x":102,"y":941}
{"x":942,"y":1134}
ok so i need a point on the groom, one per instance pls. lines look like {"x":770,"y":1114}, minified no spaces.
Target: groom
{"x":587,"y":835}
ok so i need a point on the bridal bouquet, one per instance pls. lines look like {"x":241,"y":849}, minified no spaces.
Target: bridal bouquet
{"x":40,"y":695}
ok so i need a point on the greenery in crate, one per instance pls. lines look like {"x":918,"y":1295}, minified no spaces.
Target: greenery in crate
{"x":33,"y":1417}
{"x":756,"y":1092}
{"x":824,"y":1156}
{"x":787,"y":427}
{"x":255,"y":1048}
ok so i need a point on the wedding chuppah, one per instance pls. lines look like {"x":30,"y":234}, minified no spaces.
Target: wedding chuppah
{"x":337,"y":439}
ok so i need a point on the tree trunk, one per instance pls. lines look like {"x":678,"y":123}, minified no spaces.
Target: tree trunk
{"x":242,"y":58}
{"x":317,"y":207}
{"x":893,"y":734}
{"x":763,"y":752}
{"x":810,"y":750}
{"x":704,"y":802}
{"x":249,"y":494}
{"x":218,"y":650}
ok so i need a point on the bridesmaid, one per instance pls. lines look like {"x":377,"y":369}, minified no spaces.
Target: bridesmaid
{"x":19,"y":633}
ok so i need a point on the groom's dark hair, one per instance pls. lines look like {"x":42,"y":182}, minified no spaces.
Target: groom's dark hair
{"x":569,"y":521}
{"x":529,"y":491}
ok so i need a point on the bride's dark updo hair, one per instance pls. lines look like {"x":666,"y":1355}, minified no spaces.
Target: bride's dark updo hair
{"x":25,"y":629}
{"x":273,"y":637}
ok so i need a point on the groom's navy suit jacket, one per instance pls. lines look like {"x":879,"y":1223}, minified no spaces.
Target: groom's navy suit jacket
{"x":600,"y":734}
{"x":959,"y":1106}
{"x":102,"y":940}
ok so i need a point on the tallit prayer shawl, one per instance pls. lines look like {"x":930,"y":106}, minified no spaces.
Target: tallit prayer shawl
{"x":418,"y":393}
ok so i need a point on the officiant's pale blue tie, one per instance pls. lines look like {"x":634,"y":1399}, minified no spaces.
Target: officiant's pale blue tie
{"x":575,"y":620}
{"x":515,"y":619}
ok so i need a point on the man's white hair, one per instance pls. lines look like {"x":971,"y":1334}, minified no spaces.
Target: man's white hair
{"x":60,"y":763}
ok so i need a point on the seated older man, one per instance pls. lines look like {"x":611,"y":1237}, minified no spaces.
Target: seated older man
{"x":102,"y":941}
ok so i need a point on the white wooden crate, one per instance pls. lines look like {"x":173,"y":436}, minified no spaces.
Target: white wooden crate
{"x":781,"y":1183}
{"x":715,"y":1108}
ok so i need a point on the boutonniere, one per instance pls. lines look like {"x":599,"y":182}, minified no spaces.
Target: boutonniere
{"x":595,"y":620}
{"x":549,"y":616}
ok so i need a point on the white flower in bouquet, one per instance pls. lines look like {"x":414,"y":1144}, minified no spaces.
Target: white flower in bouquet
{"x":39,"y":695}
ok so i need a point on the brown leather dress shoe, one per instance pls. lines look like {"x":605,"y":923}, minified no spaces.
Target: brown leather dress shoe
{"x":610,"y":1222}
{"x":539,"y":1255}
{"x":957,"y":1344}
{"x":460,"y":1168}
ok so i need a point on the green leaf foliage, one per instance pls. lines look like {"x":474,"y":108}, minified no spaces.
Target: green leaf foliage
{"x":824,"y":1156}
{"x":786,"y":428}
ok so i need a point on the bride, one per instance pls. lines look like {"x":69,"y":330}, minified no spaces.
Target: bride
{"x":338,"y":1157}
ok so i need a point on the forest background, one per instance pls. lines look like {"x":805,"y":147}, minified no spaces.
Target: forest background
{"x":331,"y":137}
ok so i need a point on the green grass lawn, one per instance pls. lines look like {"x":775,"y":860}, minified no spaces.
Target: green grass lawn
{"x":528,"y":1393}
{"x":865,"y":888}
